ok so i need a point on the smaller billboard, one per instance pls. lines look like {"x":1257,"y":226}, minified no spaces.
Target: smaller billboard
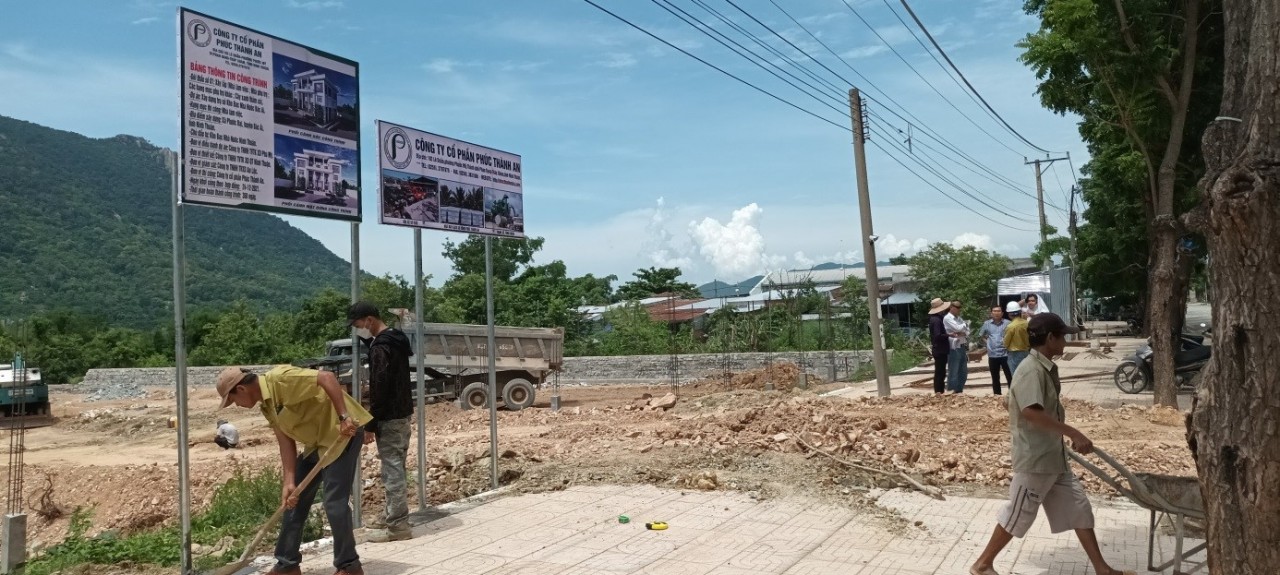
{"x":430,"y":181}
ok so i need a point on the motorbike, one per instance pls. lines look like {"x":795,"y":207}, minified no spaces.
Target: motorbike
{"x":1134,"y":374}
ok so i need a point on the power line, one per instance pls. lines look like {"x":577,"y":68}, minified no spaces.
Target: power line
{"x":719,"y":15}
{"x":985,"y":200}
{"x":966,"y":80}
{"x":926,"y":80}
{"x":703,"y":27}
{"x":909,"y":118}
{"x":717,"y":68}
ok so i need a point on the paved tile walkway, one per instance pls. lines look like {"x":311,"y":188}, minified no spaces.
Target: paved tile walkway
{"x":576,"y":532}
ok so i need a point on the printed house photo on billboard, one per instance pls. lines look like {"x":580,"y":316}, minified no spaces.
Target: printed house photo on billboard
{"x":315,"y":173}
{"x":503,"y":210}
{"x":314,"y":98}
{"x":461,"y":204}
{"x":408,"y":196}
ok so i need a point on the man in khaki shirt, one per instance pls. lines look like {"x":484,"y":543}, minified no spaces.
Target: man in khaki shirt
{"x":1041,"y":475}
{"x":308,"y":407}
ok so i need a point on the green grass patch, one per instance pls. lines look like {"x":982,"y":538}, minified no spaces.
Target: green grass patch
{"x":238,"y":509}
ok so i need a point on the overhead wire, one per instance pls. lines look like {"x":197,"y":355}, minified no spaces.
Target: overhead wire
{"x":702,"y":27}
{"x":925,"y":166}
{"x":716,"y":68}
{"x":992,"y":110}
{"x":926,"y":80}
{"x":706,"y":30}
{"x":909,"y":117}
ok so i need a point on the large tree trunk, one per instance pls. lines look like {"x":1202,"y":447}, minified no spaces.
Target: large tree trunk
{"x":1166,"y":309}
{"x":1235,"y":427}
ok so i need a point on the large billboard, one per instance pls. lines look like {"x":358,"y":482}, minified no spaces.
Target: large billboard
{"x":430,"y":181}
{"x":267,"y":124}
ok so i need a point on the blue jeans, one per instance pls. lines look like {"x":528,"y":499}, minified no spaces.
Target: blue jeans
{"x":338,"y":478}
{"x":957,"y":370}
{"x":1015,"y":358}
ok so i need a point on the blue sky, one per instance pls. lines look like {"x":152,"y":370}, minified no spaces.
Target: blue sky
{"x":634,"y":154}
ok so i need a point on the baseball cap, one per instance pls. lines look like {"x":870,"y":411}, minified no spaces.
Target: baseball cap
{"x":360,"y":310}
{"x":228,"y":379}
{"x":1047,"y":323}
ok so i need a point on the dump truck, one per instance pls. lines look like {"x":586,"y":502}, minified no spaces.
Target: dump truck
{"x":456,"y":361}
{"x":23,"y":391}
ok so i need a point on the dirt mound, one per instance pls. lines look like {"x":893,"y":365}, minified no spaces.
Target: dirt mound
{"x":784,"y":376}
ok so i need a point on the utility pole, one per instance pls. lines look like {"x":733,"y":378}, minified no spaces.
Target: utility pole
{"x":1044,"y":223}
{"x":1075,"y":294}
{"x":868,"y":243}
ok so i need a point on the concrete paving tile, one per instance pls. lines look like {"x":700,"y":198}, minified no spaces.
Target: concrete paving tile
{"x":748,"y":527}
{"x":905,"y":560}
{"x":695,"y":520}
{"x":730,"y":570}
{"x":673,"y":567}
{"x":529,"y":567}
{"x":600,"y":540}
{"x":616,"y":562}
{"x":809,"y":566}
{"x":566,"y":555}
{"x":806,"y":537}
{"x":545,"y":534}
{"x":431,"y":570}
{"x":725,"y":540}
{"x":704,"y":553}
{"x":843,"y":551}
{"x":473,"y":563}
{"x":512,"y":548}
{"x":829,"y":520}
{"x":766,"y":558}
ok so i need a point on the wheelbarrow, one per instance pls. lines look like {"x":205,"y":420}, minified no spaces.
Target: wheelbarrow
{"x":1165,"y":496}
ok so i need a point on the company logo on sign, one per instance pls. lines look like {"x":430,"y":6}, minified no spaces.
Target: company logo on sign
{"x":199,"y":33}
{"x":397,"y":148}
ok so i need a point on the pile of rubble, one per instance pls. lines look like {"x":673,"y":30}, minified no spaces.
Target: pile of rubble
{"x":781,"y":376}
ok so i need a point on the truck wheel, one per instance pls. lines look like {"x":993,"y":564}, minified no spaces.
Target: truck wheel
{"x":474,"y":396}
{"x":518,"y":394}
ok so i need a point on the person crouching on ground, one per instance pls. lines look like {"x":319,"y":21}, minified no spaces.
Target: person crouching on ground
{"x":1041,"y":475}
{"x":309,"y":407}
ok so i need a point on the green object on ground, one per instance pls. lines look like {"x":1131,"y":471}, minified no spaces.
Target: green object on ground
{"x":624,"y":519}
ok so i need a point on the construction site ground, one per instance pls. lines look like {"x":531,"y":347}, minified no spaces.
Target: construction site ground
{"x":757,"y":460}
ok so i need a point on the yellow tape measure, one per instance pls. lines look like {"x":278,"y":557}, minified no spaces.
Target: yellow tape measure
{"x":656,"y":526}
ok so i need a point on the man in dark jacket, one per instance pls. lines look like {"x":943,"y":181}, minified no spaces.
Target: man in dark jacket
{"x":939,"y":343}
{"x":391,"y":403}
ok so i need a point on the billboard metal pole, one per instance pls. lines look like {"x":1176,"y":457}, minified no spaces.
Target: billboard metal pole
{"x":493,"y":360}
{"x":180,"y":361}
{"x":356,"y":488}
{"x":422,"y":386}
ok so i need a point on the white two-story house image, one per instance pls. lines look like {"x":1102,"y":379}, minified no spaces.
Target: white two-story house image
{"x":318,"y":172}
{"x":315,"y":96}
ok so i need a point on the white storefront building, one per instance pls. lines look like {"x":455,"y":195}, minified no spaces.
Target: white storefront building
{"x":317,"y":172}
{"x":315,"y":96}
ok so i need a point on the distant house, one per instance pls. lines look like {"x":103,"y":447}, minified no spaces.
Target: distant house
{"x":314,"y":95}
{"x":317,"y":172}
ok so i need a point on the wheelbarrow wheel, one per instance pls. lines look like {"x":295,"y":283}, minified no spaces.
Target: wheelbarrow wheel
{"x":1131,"y":378}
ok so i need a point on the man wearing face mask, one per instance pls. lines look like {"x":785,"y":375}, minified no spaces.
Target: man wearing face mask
{"x":391,"y":403}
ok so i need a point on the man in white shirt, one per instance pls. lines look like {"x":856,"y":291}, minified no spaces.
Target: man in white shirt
{"x":228,"y":436}
{"x":958,"y":360}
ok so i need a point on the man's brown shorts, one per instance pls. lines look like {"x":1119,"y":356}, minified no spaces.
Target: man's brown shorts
{"x":1061,"y":495}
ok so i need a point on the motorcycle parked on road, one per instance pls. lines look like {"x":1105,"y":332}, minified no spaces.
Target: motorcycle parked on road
{"x":1134,"y":374}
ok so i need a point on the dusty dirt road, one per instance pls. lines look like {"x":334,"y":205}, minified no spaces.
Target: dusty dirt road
{"x":119,"y":458}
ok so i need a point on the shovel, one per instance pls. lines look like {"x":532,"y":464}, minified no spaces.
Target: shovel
{"x":330,"y":454}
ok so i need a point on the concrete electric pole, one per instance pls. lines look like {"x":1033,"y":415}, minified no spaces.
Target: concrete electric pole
{"x":1044,"y":223}
{"x":868,"y":244}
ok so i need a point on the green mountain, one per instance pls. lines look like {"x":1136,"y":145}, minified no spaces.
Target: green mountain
{"x":86,"y":227}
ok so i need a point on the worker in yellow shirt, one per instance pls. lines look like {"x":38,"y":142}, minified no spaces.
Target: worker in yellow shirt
{"x":1016,"y":339}
{"x":308,"y":407}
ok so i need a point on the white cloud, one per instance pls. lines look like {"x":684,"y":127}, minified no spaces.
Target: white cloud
{"x":315,"y":4}
{"x":889,"y":246}
{"x":441,"y":65}
{"x":736,"y":247}
{"x":980,"y":241}
{"x":660,"y":246}
{"x":864,"y":51}
{"x":146,"y":20}
{"x":618,"y":60}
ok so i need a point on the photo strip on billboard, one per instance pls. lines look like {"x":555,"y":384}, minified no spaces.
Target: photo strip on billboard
{"x":433,"y":182}
{"x":267,"y":124}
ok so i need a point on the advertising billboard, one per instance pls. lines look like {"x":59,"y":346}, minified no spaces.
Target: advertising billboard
{"x":267,"y":124}
{"x":433,"y":182}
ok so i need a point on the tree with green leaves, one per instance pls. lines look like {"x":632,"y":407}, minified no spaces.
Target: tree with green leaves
{"x":1232,"y":431}
{"x":967,"y":274}
{"x":652,"y":281}
{"x":1053,"y":245}
{"x":509,"y":255}
{"x":1146,"y":74}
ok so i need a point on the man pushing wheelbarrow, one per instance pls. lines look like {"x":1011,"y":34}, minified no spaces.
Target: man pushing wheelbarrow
{"x":1041,"y":475}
